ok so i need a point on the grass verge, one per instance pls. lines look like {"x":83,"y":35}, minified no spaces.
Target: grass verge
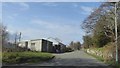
{"x":25,"y":57}
{"x":97,"y":57}
{"x":111,"y":63}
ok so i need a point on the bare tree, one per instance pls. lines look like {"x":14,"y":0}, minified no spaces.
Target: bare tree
{"x":75,"y":45}
{"x":4,"y":34}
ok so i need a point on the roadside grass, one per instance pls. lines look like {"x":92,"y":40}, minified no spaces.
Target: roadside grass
{"x":114,"y":64}
{"x":117,"y":65}
{"x":97,"y":57}
{"x":25,"y":57}
{"x":0,"y":57}
{"x":110,"y":63}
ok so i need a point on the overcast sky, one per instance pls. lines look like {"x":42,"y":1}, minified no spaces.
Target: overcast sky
{"x":38,"y":20}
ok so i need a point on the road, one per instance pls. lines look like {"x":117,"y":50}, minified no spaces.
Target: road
{"x":76,"y":58}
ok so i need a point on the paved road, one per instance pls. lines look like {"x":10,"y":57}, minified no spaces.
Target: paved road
{"x":76,"y":58}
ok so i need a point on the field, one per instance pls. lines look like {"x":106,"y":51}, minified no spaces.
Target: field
{"x":25,"y":57}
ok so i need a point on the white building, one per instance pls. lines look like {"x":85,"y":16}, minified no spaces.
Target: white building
{"x":37,"y":45}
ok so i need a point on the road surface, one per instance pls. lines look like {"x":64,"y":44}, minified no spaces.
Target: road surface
{"x":76,"y":58}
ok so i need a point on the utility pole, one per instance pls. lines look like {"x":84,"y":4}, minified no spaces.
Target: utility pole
{"x":20,"y":36}
{"x":116,"y":39}
{"x":15,"y":42}
{"x":116,"y":35}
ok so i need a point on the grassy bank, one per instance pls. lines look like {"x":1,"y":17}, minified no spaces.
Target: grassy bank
{"x":0,"y":56}
{"x":97,"y":57}
{"x":25,"y":57}
{"x":110,"y":63}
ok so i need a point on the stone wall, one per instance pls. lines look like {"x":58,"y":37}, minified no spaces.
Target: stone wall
{"x":107,"y":52}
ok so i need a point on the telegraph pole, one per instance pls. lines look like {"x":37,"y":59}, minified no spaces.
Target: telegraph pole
{"x":20,"y":36}
{"x":15,"y":41}
{"x":116,"y":39}
{"x":116,"y":35}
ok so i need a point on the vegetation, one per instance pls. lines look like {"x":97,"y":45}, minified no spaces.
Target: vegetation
{"x":87,"y":41}
{"x":97,"y":57}
{"x":4,"y":36}
{"x":25,"y":57}
{"x":75,"y":45}
{"x":100,"y":29}
{"x":100,"y":25}
{"x":0,"y":56}
{"x":111,"y":63}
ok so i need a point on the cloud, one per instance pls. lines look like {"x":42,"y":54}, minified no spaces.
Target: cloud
{"x":10,"y":17}
{"x":45,"y":29}
{"x":58,"y":27}
{"x":49,"y":4}
{"x":21,"y":5}
{"x":54,"y":0}
{"x":24,"y":6}
{"x":13,"y":16}
{"x":75,"y":5}
{"x":113,"y":0}
{"x":0,"y":11}
{"x":86,"y":10}
{"x":66,"y":32}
